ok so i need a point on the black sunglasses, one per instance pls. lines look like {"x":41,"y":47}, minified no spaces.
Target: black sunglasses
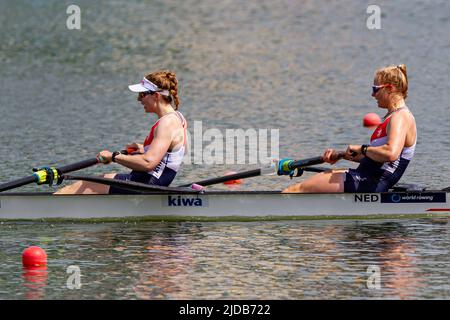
{"x":144,"y":94}
{"x":375,"y":89}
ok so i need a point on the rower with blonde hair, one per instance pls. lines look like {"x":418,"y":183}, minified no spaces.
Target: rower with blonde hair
{"x":384,"y":160}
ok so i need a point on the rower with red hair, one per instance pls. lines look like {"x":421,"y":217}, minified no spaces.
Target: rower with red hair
{"x":158,"y":159}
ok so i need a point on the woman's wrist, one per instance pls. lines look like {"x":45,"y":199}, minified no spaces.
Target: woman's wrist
{"x":364,"y":148}
{"x":114,"y":155}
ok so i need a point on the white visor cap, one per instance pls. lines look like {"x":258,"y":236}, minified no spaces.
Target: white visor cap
{"x":147,"y":85}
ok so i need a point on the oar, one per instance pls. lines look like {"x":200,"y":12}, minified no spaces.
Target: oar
{"x":240,"y":175}
{"x":132,"y":185}
{"x":296,"y":164}
{"x":316,"y":169}
{"x":41,"y":175}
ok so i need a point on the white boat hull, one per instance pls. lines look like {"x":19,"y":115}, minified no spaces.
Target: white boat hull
{"x":220,"y":204}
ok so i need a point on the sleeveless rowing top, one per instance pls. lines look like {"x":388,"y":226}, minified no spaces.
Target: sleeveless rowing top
{"x":165,"y":171}
{"x":388,"y":173}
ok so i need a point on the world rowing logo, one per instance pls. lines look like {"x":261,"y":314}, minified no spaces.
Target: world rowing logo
{"x":414,"y":197}
{"x":396,"y":198}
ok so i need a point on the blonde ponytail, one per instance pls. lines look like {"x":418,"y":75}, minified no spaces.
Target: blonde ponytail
{"x":395,"y":75}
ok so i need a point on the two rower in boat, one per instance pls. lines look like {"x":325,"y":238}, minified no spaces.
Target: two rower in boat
{"x":158,"y":159}
{"x":383,"y":161}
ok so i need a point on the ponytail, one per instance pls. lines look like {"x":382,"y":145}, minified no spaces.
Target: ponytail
{"x":396,"y":76}
{"x":166,"y":80}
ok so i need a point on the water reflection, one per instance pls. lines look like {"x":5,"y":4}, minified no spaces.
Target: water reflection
{"x":233,"y":260}
{"x":164,"y":270}
{"x":391,"y":246}
{"x":34,"y":281}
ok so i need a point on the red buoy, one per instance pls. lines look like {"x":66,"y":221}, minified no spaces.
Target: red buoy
{"x":236,"y":181}
{"x":371,"y":120}
{"x":34,"y":257}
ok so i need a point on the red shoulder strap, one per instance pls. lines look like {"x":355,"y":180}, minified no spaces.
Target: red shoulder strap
{"x":381,"y":130}
{"x":150,"y":136}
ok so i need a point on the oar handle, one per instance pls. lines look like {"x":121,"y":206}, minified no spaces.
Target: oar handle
{"x":128,"y":151}
{"x":313,"y":161}
{"x":79,"y":165}
{"x":305,"y":162}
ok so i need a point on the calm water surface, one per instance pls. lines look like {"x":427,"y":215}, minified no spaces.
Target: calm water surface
{"x":231,"y":260}
{"x":303,"y":67}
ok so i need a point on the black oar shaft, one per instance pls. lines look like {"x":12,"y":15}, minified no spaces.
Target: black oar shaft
{"x":78,"y":165}
{"x":316,"y":169}
{"x":240,"y":175}
{"x":306,"y":162}
{"x":64,"y":169}
{"x":313,"y":161}
{"x":258,"y":172}
{"x":131,"y":185}
{"x":17,"y":183}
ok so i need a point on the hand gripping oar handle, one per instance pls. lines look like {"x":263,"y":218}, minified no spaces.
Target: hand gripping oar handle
{"x":128,"y":151}
{"x":35,"y":177}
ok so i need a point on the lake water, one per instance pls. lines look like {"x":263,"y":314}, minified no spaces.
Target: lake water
{"x":231,"y":260}
{"x":302,"y":67}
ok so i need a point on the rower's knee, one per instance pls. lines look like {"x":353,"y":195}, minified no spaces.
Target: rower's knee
{"x":295,"y":188}
{"x":70,"y":189}
{"x":86,"y":187}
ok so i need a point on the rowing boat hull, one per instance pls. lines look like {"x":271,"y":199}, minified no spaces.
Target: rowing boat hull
{"x":219,"y":204}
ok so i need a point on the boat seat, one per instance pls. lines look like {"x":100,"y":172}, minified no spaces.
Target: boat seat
{"x":399,"y":187}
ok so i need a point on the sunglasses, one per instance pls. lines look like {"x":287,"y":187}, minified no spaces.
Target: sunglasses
{"x":144,"y":94}
{"x":375,"y":89}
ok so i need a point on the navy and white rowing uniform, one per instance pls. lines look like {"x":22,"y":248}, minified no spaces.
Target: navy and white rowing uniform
{"x":373,"y":176}
{"x":167,"y":168}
